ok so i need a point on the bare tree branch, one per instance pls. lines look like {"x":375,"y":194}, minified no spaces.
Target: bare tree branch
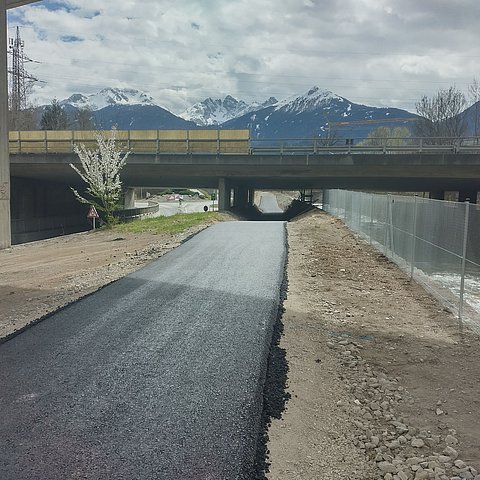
{"x":442,"y":119}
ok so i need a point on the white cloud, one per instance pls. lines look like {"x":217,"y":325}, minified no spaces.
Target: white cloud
{"x":378,"y":52}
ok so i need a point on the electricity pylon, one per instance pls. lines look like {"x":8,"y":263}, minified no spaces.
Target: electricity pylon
{"x":20,"y":80}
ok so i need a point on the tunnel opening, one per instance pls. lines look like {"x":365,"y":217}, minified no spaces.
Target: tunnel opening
{"x":253,"y":213}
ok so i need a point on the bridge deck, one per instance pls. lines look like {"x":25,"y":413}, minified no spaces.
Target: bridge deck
{"x":199,"y":158}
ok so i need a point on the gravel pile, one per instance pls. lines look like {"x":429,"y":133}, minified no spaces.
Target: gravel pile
{"x":400,"y":451}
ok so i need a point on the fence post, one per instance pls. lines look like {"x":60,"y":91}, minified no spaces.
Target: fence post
{"x":360,"y":196}
{"x":464,"y":258}
{"x":392,"y":228}
{"x":371,"y":217}
{"x":390,"y":223}
{"x":414,"y":237}
{"x":352,"y":220}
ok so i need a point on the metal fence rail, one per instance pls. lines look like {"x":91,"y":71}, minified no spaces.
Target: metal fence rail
{"x":434,"y":241}
{"x":138,"y":212}
{"x":365,"y":145}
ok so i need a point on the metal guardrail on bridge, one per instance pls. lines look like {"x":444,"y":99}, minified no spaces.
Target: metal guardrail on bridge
{"x":352,"y":146}
{"x":225,"y":142}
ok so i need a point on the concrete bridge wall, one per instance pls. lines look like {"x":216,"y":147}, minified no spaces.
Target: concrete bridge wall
{"x":398,"y":172}
{"x":41,"y":209}
{"x":33,"y":198}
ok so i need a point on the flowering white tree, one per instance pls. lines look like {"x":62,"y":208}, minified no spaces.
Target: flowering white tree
{"x":101,"y":172}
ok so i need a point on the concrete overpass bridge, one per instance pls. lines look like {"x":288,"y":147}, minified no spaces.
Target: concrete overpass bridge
{"x":228,"y":158}
{"x":237,"y":166}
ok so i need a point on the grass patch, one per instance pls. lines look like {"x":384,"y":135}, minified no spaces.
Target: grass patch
{"x":174,"y":224}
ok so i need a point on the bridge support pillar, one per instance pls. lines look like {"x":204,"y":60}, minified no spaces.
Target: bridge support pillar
{"x":224,"y":193}
{"x":470,"y":195}
{"x":240,"y":197}
{"x":129,"y":200}
{"x":437,"y":195}
{"x":325,"y":199}
{"x":5,"y":227}
{"x":251,"y":197}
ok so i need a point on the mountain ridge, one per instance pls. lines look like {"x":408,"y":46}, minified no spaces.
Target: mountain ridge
{"x":108,"y":97}
{"x":318,"y":113}
{"x":315,"y":113}
{"x":211,"y":112}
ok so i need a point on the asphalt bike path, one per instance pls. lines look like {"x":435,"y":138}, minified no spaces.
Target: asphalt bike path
{"x":156,"y":376}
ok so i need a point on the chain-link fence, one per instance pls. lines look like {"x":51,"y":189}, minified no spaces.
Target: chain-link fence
{"x":436,"y":242}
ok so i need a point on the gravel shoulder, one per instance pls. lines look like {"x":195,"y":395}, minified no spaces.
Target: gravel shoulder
{"x":383,"y":381}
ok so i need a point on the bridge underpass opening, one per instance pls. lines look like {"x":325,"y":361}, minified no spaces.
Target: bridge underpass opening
{"x":266,"y":204}
{"x":235,"y":193}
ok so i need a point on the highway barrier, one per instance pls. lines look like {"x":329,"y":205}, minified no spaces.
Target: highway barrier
{"x":134,"y":213}
{"x":225,"y":142}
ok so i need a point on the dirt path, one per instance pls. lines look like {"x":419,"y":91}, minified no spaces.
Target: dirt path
{"x":382,"y":382}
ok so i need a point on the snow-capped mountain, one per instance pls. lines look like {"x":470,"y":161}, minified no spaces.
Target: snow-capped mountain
{"x":127,"y":108}
{"x":215,"y":112}
{"x":108,"y":97}
{"x":315,"y":98}
{"x":315,"y":113}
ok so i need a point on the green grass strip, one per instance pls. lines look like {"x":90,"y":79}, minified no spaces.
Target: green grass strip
{"x":173,"y":224}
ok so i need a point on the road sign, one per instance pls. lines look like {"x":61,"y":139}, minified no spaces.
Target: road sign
{"x":92,"y":213}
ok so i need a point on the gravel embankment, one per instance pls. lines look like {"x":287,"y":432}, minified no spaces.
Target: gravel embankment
{"x":400,"y":451}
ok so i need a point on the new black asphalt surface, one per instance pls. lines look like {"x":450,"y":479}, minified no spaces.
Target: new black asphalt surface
{"x":156,"y":376}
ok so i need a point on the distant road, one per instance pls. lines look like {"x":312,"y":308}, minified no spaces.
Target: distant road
{"x":167,"y":209}
{"x":156,"y":376}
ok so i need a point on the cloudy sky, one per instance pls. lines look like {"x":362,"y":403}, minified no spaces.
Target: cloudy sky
{"x":375,"y":52}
